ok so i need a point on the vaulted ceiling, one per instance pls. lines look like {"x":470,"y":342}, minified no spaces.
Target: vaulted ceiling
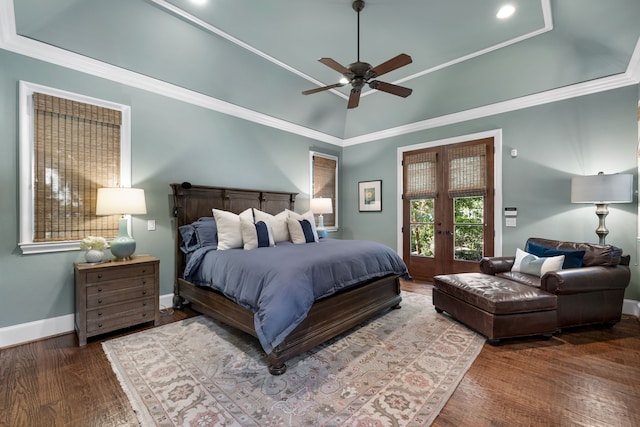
{"x":254,"y":58}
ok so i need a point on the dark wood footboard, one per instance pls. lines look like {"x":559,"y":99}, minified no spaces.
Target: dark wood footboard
{"x":327,"y":318}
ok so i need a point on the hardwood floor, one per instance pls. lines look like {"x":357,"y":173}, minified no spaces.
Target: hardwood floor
{"x":584,"y":377}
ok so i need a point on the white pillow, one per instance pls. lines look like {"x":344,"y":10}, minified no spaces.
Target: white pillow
{"x":229,"y":231}
{"x":251,"y":236}
{"x":537,"y":266}
{"x":297,"y":231}
{"x":278,"y":224}
{"x":308,"y":215}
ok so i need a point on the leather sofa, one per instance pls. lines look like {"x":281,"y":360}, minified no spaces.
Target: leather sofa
{"x":592,"y":293}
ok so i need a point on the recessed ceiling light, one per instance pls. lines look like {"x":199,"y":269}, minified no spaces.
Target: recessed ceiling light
{"x":505,"y":11}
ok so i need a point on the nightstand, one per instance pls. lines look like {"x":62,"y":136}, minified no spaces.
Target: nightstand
{"x":116,"y":294}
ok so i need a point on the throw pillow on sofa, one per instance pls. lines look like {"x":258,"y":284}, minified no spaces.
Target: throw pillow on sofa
{"x":572,"y":259}
{"x":535,"y":265}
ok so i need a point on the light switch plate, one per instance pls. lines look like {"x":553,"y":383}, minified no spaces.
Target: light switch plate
{"x":151,"y":225}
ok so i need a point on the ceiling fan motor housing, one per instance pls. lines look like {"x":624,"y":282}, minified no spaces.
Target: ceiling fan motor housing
{"x":358,"y":5}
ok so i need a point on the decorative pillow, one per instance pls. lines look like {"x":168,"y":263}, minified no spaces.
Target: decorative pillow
{"x":278,"y":224}
{"x":536,"y":266}
{"x":199,"y":234}
{"x":256,"y":235}
{"x":229,"y":230}
{"x":300,"y":231}
{"x":572,"y":259}
{"x":309,"y":217}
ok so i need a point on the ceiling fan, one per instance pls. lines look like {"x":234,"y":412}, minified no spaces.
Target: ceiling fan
{"x":360,"y":74}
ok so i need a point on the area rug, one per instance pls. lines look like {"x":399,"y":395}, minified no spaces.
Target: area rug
{"x":398,"y":369}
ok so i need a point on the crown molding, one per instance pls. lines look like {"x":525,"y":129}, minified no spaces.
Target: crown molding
{"x":13,"y":42}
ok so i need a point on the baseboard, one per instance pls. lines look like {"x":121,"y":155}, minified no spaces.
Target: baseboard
{"x":631,"y":307}
{"x":32,"y":331}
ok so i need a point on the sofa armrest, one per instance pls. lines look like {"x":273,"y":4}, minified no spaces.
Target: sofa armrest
{"x":586,"y":279}
{"x":494,"y":265}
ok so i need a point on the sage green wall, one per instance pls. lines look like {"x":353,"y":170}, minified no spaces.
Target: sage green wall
{"x":580,"y":136}
{"x":171,"y":142}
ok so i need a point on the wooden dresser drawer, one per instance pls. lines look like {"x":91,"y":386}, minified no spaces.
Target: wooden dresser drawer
{"x":119,"y":285}
{"x":119,"y":316}
{"x":108,"y":274}
{"x":121,"y":296}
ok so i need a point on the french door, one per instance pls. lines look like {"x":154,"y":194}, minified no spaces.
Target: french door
{"x":448,"y":204}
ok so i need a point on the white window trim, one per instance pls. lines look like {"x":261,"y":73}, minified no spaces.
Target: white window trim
{"x":331,"y":157}
{"x":26,"y":243}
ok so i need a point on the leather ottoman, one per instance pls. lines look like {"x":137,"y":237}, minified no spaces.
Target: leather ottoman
{"x":496,"y":307}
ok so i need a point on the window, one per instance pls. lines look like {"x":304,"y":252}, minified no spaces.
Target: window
{"x":70,"y":145}
{"x":324,"y":183}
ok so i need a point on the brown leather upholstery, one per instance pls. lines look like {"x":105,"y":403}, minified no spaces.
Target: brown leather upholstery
{"x":494,"y":306}
{"x":500,"y":303}
{"x":591,"y":294}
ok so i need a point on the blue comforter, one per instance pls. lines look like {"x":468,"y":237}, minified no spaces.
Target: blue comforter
{"x":279,"y":284}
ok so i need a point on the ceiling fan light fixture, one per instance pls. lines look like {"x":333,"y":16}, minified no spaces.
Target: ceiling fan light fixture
{"x":360,"y":73}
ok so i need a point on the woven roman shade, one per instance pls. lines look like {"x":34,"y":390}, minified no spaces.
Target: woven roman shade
{"x":324,"y":184}
{"x":76,"y":151}
{"x":421,"y":175}
{"x":467,"y":170}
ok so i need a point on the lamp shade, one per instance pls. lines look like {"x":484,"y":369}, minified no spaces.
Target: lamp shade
{"x":321,"y":205}
{"x":120,"y":201}
{"x":601,"y":188}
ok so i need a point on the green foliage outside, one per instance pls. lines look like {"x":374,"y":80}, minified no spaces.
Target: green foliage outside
{"x":468,"y":228}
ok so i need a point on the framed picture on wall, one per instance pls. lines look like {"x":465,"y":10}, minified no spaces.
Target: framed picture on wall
{"x":370,"y":196}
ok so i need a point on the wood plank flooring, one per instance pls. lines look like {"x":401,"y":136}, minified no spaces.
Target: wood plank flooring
{"x":584,"y":377}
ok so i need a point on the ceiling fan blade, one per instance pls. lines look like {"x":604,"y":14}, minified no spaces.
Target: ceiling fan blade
{"x":335,"y":65}
{"x":391,"y":88}
{"x":323,"y":88}
{"x":354,"y":98}
{"x":397,"y":62}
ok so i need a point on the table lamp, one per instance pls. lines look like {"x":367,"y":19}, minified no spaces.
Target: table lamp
{"x":321,"y":205}
{"x":121,"y":201}
{"x":601,"y":190}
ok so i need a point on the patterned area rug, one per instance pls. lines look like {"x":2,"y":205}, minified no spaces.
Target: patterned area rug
{"x":397,"y":369}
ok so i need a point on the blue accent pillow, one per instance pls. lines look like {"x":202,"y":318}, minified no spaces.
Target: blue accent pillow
{"x":262,"y":230}
{"x":572,"y":259}
{"x":307,"y":230}
{"x":198,"y":234}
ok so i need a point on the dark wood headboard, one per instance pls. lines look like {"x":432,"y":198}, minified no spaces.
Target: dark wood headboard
{"x":191,"y":202}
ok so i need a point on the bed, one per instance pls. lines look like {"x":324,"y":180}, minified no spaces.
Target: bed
{"x":327,"y":317}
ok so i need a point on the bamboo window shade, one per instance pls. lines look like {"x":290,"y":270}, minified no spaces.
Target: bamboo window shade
{"x":421,"y":179}
{"x":324,"y":184}
{"x":467,"y":171}
{"x":76,"y":151}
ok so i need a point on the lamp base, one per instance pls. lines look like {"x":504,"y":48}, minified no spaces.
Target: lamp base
{"x":123,"y":246}
{"x":602,"y":211}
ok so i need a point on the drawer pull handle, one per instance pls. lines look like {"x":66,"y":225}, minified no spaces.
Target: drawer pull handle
{"x":99,"y":276}
{"x":144,"y":304}
{"x":99,"y":301}
{"x":144,"y":282}
{"x":144,"y":292}
{"x":99,"y":289}
{"x":99,"y":325}
{"x":99,"y":313}
{"x":144,"y":314}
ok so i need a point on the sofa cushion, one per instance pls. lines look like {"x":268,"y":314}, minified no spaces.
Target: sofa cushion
{"x":494,"y":294}
{"x":594,"y":255}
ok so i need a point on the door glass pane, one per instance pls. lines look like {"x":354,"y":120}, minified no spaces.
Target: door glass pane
{"x":468,"y":228}
{"x":421,"y":223}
